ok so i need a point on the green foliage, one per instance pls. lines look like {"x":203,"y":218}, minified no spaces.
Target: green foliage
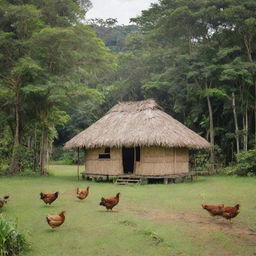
{"x":189,"y":55}
{"x":50,"y":62}
{"x":12,"y":242}
{"x":245,"y":164}
{"x":5,"y":150}
{"x":199,"y":161}
{"x":196,"y":54}
{"x":215,"y":92}
{"x":61,"y":156}
{"x":114,"y":36}
{"x":26,"y":156}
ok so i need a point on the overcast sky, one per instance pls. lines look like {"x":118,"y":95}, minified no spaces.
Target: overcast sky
{"x":122,"y":10}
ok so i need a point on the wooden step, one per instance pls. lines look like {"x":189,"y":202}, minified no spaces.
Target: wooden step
{"x":129,"y":177}
{"x":128,"y":180}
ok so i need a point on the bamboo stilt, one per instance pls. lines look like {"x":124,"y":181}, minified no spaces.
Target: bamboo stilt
{"x":78,"y":164}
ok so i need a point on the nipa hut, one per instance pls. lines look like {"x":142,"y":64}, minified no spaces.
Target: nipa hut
{"x":139,"y":139}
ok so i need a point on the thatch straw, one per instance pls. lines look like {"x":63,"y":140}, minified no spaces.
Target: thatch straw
{"x":141,"y":123}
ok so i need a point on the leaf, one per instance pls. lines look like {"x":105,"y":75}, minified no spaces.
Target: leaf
{"x":215,"y":92}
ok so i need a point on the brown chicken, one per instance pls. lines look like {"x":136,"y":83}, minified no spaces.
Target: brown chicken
{"x":82,"y":193}
{"x":230,"y":212}
{"x":3,"y":201}
{"x":56,"y":220}
{"x":214,"y":209}
{"x":109,"y":203}
{"x":49,"y":198}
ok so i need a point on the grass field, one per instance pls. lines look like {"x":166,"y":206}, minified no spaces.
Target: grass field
{"x":150,"y":220}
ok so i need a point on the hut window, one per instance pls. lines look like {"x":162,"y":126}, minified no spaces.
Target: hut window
{"x":106,"y":154}
{"x":137,"y":149}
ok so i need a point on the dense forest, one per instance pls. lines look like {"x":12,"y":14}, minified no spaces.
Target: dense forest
{"x":59,"y":73}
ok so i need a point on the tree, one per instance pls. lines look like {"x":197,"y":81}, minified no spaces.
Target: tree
{"x":44,"y":56}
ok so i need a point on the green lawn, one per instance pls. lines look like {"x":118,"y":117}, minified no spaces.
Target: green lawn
{"x":150,"y":220}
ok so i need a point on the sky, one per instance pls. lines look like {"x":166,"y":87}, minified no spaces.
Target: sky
{"x":122,"y":10}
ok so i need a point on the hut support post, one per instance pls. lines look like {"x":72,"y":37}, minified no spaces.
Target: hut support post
{"x":134,"y":162}
{"x":78,"y":164}
{"x":175,"y":160}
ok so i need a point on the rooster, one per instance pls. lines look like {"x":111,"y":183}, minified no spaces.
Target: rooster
{"x":109,"y":203}
{"x":82,"y":193}
{"x":3,"y":201}
{"x":214,"y":209}
{"x":56,"y":220}
{"x":49,"y":198}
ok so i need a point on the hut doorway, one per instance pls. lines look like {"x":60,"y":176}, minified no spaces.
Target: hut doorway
{"x":128,"y":159}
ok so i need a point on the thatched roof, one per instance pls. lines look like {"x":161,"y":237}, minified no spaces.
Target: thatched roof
{"x":141,"y":123}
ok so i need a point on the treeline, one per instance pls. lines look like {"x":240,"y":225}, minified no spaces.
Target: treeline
{"x":49,"y":61}
{"x":195,"y":57}
{"x":200,"y":57}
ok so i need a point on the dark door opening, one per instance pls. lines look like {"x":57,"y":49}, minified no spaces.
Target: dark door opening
{"x":128,"y":159}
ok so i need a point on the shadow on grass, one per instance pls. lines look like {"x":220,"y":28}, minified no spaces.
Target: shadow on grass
{"x":46,"y":206}
{"x":50,"y":230}
{"x":104,"y":211}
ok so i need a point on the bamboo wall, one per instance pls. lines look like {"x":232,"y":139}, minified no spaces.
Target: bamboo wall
{"x":162,"y":161}
{"x":153,"y":161}
{"x":112,"y":166}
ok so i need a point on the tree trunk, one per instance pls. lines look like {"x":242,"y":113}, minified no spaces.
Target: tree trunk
{"x":43,"y":150}
{"x":248,"y":45}
{"x":254,"y":112}
{"x":245,"y":130}
{"x":236,"y":123}
{"x":15,"y":161}
{"x":212,"y":156}
{"x":44,"y":145}
{"x":35,"y":150}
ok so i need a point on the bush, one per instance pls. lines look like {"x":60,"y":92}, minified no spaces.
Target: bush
{"x":3,"y":168}
{"x":12,"y":242}
{"x":245,"y":164}
{"x":199,"y":160}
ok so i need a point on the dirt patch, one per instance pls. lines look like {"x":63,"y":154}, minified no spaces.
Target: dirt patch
{"x":207,"y":222}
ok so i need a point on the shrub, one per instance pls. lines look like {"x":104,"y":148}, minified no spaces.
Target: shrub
{"x":199,"y":161}
{"x":245,"y":164}
{"x":12,"y":242}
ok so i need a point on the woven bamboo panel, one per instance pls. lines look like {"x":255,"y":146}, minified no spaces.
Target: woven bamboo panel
{"x":110,"y":166}
{"x":162,"y":161}
{"x":154,"y":161}
{"x":155,"y":169}
{"x":157,"y":155}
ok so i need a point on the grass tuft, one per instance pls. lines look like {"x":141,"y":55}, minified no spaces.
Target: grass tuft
{"x":153,"y":236}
